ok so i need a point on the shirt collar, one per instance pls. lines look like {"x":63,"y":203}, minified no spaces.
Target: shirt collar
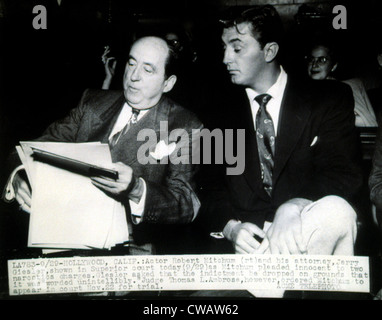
{"x":275,"y":91}
{"x":128,"y":109}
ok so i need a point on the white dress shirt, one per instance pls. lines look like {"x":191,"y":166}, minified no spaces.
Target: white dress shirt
{"x":276,"y":91}
{"x":274,"y":104}
{"x":124,"y":116}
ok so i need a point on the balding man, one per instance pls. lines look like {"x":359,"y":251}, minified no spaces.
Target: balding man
{"x":154,"y":192}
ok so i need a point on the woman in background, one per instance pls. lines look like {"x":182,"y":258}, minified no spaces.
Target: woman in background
{"x":322,"y":62}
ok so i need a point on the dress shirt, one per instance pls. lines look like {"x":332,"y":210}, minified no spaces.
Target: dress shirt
{"x":136,"y":208}
{"x":123,"y":118}
{"x":276,"y":91}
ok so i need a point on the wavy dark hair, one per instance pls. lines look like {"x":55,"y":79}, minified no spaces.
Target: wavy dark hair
{"x":265,"y":22}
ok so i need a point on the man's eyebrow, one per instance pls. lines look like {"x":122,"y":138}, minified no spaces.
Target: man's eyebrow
{"x":150,"y":65}
{"x":145,"y":63}
{"x":233,"y":41}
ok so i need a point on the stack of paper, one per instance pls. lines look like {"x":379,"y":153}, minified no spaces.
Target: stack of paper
{"x":67,"y":210}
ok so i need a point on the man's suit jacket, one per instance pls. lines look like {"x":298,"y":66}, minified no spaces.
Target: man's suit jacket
{"x":317,"y":153}
{"x":375,"y":177}
{"x":171,"y":197}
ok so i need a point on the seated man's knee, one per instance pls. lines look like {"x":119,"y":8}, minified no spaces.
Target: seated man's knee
{"x":340,"y":207}
{"x":334,"y":212}
{"x":330,"y":226}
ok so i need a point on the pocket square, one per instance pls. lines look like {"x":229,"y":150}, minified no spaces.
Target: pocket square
{"x":163,"y":150}
{"x":314,"y":141}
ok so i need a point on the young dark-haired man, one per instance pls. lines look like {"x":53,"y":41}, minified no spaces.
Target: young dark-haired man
{"x":301,"y":172}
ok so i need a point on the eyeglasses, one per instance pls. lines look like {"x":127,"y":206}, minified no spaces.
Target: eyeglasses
{"x":316,"y":60}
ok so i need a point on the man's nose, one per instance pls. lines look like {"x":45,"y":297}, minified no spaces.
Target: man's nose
{"x":227,"y":57}
{"x":135,"y":74}
{"x":315,"y":63}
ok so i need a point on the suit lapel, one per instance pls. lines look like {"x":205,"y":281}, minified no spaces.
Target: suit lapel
{"x":128,"y":146}
{"x":103,"y":124}
{"x":252,"y":173}
{"x":294,"y":113}
{"x":293,"y":119}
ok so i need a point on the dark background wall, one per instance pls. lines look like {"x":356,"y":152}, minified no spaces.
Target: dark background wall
{"x":44,"y":72}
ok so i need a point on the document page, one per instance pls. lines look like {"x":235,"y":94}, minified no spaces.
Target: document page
{"x":68,"y":211}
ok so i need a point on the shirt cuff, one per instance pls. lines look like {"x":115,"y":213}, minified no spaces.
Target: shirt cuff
{"x":137,"y":209}
{"x":9,"y":192}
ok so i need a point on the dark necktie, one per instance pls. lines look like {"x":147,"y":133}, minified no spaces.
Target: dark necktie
{"x":133,"y":120}
{"x":265,"y":135}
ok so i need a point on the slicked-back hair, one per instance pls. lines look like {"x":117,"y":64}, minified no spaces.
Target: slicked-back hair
{"x":171,"y":64}
{"x":265,"y":23}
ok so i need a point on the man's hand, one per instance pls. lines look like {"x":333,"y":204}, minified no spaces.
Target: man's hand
{"x":242,"y":236}
{"x":110,"y":65}
{"x":285,"y":234}
{"x":126,"y":187}
{"x":23,"y":193}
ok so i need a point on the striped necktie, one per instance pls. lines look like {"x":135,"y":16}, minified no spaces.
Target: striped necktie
{"x":133,"y":120}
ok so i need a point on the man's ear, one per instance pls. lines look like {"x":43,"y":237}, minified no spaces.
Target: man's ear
{"x":169,"y":83}
{"x":270,"y":51}
{"x":334,"y":67}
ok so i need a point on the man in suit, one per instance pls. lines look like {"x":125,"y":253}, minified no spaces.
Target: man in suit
{"x":301,"y":172}
{"x":155,"y":194}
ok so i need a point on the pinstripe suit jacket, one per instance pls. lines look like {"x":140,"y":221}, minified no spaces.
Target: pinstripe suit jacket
{"x":171,"y":198}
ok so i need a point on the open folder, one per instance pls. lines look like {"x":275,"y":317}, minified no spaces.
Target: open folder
{"x":72,"y":165}
{"x":67,"y":210}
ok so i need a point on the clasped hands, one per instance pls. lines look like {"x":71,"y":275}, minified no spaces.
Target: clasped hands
{"x":284,"y":236}
{"x":127,"y":186}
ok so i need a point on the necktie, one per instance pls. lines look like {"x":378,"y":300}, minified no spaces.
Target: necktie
{"x":265,"y":135}
{"x":133,"y":120}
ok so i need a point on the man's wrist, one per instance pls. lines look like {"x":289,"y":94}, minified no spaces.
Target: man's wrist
{"x":135,"y":189}
{"x":106,"y":83}
{"x":229,"y":228}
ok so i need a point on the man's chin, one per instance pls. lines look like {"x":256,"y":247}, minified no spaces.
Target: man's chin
{"x":133,"y":103}
{"x":132,"y":100}
{"x":235,"y":80}
{"x":139,"y":105}
{"x":317,"y":76}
